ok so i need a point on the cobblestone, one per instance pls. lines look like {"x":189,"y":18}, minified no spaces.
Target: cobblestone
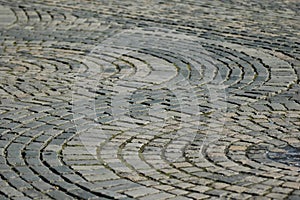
{"x":149,"y":99}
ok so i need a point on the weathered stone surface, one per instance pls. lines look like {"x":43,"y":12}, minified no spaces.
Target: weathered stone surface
{"x":149,"y":99}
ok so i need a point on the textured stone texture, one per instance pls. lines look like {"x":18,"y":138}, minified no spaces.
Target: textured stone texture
{"x":149,"y":99}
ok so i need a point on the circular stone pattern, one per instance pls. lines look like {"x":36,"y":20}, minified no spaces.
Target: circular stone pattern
{"x":7,"y":17}
{"x":149,"y":100}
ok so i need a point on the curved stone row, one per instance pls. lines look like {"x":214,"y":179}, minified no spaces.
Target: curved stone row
{"x":124,"y":166}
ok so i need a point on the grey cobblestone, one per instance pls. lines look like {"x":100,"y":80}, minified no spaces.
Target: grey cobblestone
{"x":149,"y":99}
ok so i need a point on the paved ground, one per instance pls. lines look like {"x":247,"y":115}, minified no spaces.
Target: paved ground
{"x":149,"y":99}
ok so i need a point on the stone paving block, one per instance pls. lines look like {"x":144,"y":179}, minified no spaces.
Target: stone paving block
{"x":142,"y":191}
{"x":82,"y":194}
{"x":20,"y":198}
{"x":124,"y":187}
{"x":157,"y":196}
{"x":56,"y":194}
{"x":20,"y":184}
{"x":198,"y":196}
{"x":34,"y":194}
{"x":11,"y":192}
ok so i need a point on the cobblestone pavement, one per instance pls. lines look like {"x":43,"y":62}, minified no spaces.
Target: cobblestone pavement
{"x":149,"y":99}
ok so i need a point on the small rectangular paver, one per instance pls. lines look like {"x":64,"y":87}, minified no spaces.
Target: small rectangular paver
{"x":157,"y":196}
